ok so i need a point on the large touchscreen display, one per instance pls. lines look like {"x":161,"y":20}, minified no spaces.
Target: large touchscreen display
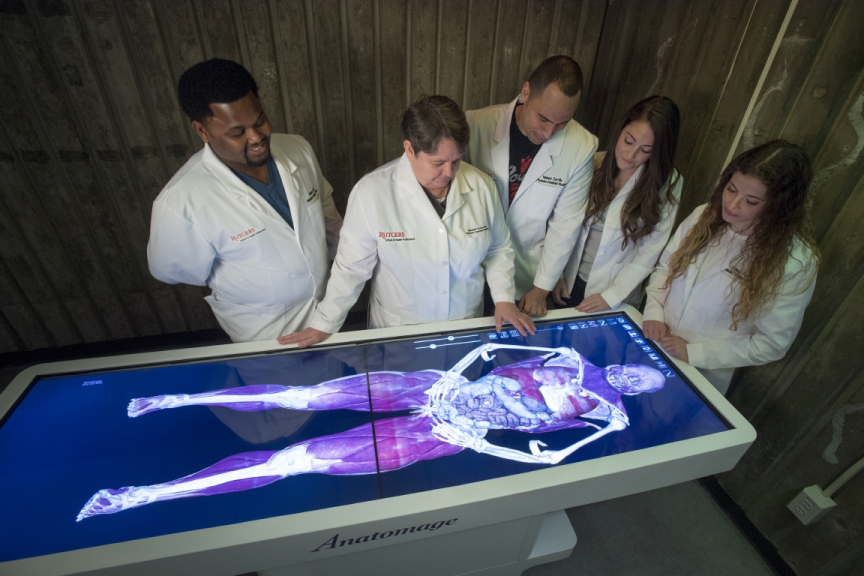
{"x":105,"y":457}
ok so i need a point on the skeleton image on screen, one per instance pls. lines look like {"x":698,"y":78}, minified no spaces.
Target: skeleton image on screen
{"x":559,"y":389}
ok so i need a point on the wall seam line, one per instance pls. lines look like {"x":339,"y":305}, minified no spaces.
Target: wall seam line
{"x":151,"y":121}
{"x":349,"y":100}
{"x":765,"y":70}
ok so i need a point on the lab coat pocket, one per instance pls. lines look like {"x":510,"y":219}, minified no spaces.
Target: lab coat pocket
{"x":714,"y":300}
{"x":381,"y":318}
{"x":316,"y":217}
{"x":542,"y":201}
{"x":473,"y":253}
{"x":245,"y":323}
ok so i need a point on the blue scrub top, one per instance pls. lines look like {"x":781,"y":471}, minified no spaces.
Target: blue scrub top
{"x":273,"y":193}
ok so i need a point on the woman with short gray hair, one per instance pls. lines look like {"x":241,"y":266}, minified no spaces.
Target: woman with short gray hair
{"x":428,"y":230}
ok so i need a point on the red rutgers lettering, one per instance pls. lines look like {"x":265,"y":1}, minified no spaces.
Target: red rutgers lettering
{"x":391,"y":234}
{"x":241,"y":235}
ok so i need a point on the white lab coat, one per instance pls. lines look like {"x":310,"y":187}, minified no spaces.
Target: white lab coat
{"x":701,"y":313}
{"x":209,"y":228}
{"x":423,"y":268}
{"x":617,"y":274}
{"x":549,"y":206}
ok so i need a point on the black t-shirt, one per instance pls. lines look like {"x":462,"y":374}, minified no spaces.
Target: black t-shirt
{"x":522,"y":152}
{"x":440,"y":206}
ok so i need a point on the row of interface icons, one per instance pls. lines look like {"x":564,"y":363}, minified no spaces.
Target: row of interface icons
{"x":572,"y":326}
{"x":595,"y":323}
{"x":634,"y":335}
{"x":604,"y":322}
{"x":637,"y":338}
{"x":504,"y":334}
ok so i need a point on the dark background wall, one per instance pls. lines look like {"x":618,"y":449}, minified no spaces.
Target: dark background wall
{"x":90,"y":131}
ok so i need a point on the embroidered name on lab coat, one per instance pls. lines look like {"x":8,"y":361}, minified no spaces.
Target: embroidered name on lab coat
{"x":394,"y":237}
{"x":734,"y":273}
{"x":246,"y":234}
{"x":551,"y":180}
{"x":311,"y":195}
{"x":477,"y":230}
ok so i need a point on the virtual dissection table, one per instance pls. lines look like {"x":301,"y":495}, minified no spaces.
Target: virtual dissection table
{"x":437,"y":449}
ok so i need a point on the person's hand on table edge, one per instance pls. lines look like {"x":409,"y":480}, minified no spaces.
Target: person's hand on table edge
{"x":533,"y":303}
{"x":675,"y":346}
{"x":560,"y":294}
{"x":593,"y":303}
{"x":508,"y":312}
{"x":304,"y":338}
{"x":655,"y":330}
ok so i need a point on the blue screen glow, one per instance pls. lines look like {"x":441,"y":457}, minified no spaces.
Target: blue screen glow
{"x":106,"y":457}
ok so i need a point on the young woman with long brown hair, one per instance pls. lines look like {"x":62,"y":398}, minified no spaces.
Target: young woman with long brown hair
{"x":731,"y":287}
{"x":631,"y":207}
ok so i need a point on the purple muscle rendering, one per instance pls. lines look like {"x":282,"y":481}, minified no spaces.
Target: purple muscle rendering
{"x":557,"y":390}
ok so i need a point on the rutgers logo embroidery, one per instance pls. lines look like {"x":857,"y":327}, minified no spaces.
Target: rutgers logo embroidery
{"x":246,"y":234}
{"x":394,"y":237}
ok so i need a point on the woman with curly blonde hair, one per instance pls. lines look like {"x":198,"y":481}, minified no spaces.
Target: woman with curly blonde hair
{"x":731,"y":287}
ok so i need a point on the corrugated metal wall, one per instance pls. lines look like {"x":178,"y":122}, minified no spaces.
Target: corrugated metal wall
{"x":90,"y":130}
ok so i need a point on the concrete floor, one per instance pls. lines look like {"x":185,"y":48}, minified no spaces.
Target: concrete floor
{"x":673,"y":531}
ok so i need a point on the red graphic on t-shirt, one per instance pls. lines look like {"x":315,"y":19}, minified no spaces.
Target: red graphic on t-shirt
{"x":517,"y":177}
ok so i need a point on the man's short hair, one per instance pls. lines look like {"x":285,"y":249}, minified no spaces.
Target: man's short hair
{"x":560,"y":70}
{"x":431,"y":119}
{"x":213,"y":81}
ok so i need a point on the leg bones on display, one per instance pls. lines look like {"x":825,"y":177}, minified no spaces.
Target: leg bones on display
{"x":391,"y":391}
{"x":352,"y":452}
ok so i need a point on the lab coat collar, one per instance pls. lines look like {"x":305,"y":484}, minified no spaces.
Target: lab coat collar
{"x":628,"y":186}
{"x":224,"y":174}
{"x":236,"y":186}
{"x":718,"y":268}
{"x":409,"y":187}
{"x":502,"y":131}
{"x":455,"y":198}
{"x":543,"y":161}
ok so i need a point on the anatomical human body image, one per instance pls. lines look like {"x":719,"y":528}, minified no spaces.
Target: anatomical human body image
{"x":554,"y":390}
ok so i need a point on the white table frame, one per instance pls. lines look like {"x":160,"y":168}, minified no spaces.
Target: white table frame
{"x":275,"y":545}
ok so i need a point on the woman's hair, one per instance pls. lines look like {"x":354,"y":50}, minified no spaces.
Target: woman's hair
{"x":758,"y":269}
{"x":432,"y":118}
{"x":644,"y":202}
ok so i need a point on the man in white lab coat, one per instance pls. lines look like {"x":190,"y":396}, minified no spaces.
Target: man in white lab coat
{"x":250,"y":215}
{"x":542,"y":162}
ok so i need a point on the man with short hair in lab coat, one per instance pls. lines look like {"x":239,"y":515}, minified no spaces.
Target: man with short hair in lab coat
{"x":250,"y":215}
{"x":542,"y":162}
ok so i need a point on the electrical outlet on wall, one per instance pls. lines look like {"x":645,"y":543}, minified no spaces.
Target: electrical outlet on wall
{"x":810,"y":504}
